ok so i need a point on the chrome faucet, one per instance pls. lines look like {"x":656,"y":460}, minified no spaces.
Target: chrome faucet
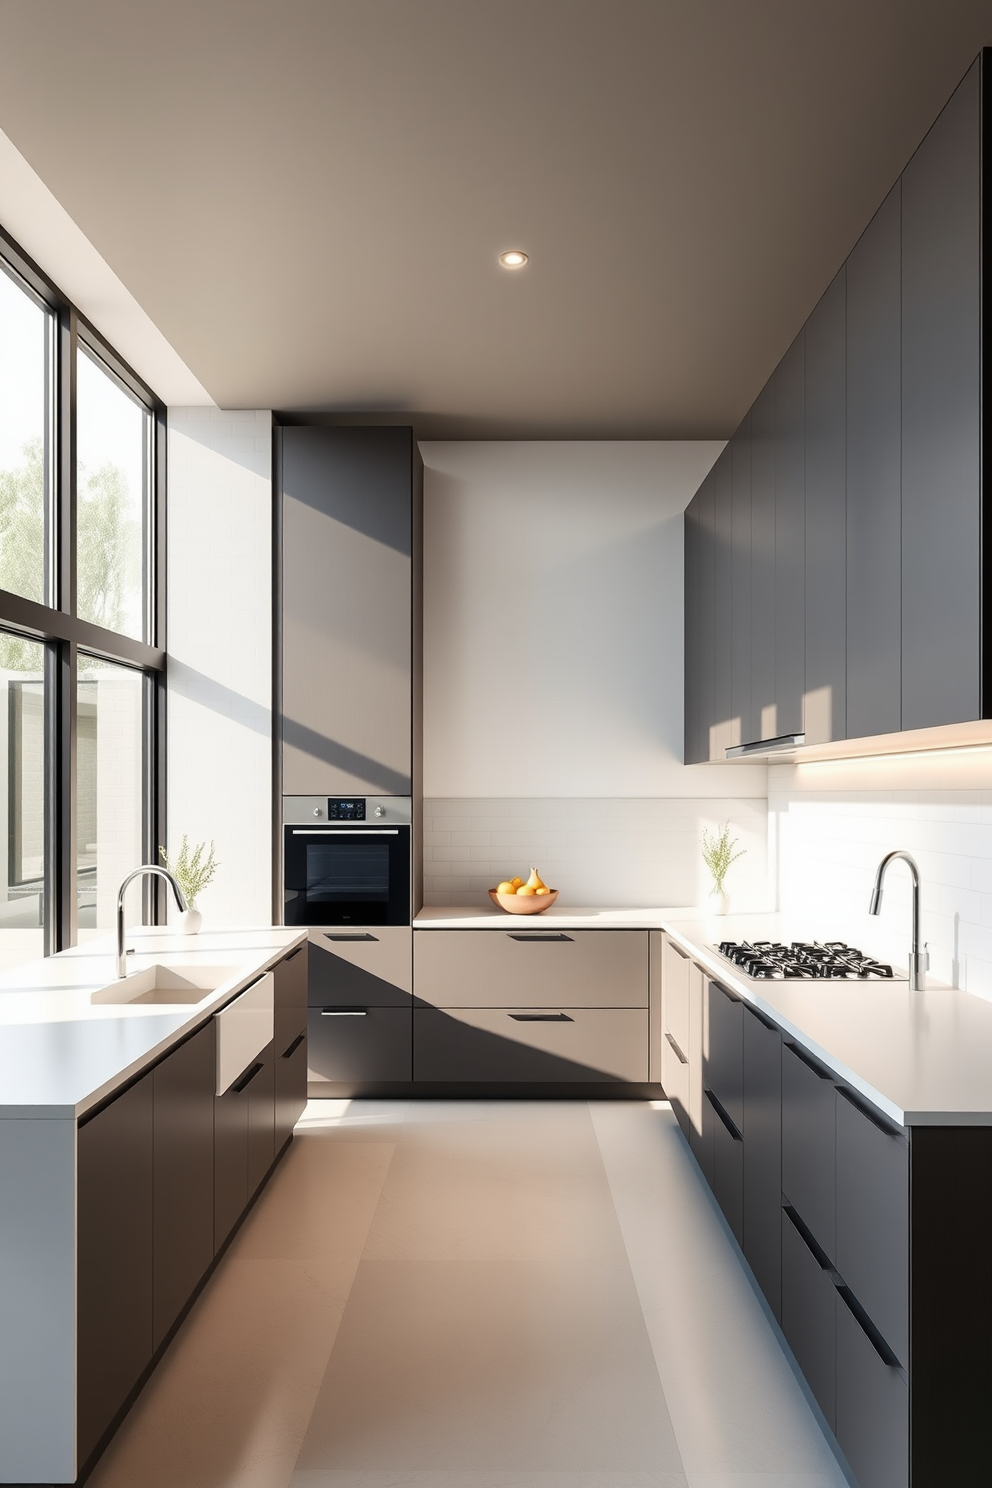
{"x":145,"y":868}
{"x":919,"y":960}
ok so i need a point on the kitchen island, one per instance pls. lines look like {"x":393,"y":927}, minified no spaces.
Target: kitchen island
{"x":129,"y":1151}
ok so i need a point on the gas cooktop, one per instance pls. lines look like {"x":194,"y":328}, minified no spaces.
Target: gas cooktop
{"x":815,"y":960}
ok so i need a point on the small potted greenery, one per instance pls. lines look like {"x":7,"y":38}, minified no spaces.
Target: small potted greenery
{"x":718,"y":854}
{"x":192,"y":871}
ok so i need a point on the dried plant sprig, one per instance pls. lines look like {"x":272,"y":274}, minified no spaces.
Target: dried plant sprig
{"x":189,"y":868}
{"x":718,"y":854}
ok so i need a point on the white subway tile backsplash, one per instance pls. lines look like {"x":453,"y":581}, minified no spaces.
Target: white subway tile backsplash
{"x":605,"y":851}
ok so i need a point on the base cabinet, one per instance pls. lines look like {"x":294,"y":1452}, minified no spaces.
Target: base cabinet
{"x":531,"y":1045}
{"x":261,"y":1091}
{"x":762,"y":1243}
{"x":114,"y":1267}
{"x":809,"y":1306}
{"x":360,"y":1017}
{"x":872,"y":1414}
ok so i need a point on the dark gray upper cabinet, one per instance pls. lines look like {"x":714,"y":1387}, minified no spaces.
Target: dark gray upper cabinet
{"x":874,"y":461}
{"x":857,"y":526}
{"x":942,"y":418}
{"x":790,"y":538}
{"x":723,"y":568}
{"x":826,"y":517}
{"x":739,"y":640}
{"x":349,"y":538}
{"x":764,"y":716}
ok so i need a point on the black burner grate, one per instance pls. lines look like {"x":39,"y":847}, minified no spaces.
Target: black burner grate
{"x":816,"y":960}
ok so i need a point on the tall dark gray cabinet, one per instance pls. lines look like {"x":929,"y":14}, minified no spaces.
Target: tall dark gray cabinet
{"x":348,"y":537}
{"x":836,"y":553}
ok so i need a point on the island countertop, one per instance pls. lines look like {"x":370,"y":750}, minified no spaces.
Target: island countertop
{"x":61,"y":1053}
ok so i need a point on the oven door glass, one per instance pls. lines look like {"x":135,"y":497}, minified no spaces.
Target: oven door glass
{"x":347,"y":876}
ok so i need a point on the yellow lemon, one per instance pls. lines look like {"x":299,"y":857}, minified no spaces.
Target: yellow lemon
{"x":542,"y":890}
{"x":506,"y":887}
{"x":516,"y":882}
{"x":526,"y":889}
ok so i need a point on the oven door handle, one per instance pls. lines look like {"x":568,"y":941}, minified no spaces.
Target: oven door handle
{"x":344,"y":831}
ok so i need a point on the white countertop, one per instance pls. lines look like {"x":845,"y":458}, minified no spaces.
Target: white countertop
{"x":61,"y":1053}
{"x":922,"y":1058}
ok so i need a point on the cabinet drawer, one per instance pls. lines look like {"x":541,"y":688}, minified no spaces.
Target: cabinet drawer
{"x":872,"y":1408}
{"x":290,"y":996}
{"x":763,"y":1156}
{"x":808,"y":1144}
{"x":291,"y":1088}
{"x":675,"y":1079}
{"x":809,"y":1307}
{"x":873,"y":1220}
{"x":728,"y":1167}
{"x":360,"y":1044}
{"x":370,"y":967}
{"x":532,"y":967}
{"x":675,"y":995}
{"x":723,"y":1070}
{"x":533,"y":1044}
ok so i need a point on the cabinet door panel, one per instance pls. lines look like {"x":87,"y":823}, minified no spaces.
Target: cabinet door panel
{"x":762,"y":1242}
{"x":722,"y":731}
{"x":873,"y":1222}
{"x":706,"y":497}
{"x":874,"y":432}
{"x":676,"y":994}
{"x":764,"y":716}
{"x":942,"y":417}
{"x":532,"y":967}
{"x":872,"y":1409}
{"x":261,"y":1119}
{"x":534,"y":1044}
{"x":728,"y":1169}
{"x":693,"y":752}
{"x":347,"y":532}
{"x":230,"y":1160}
{"x":739,"y":639}
{"x":114,"y":1238}
{"x":724,"y":1064}
{"x":790,"y":537}
{"x":825,"y":706}
{"x":808,"y":1145}
{"x":809,"y":1307}
{"x":183,"y":1174}
{"x":290,"y":996}
{"x":359,"y":1045}
{"x":372,"y":967}
{"x":291,"y":1087}
{"x":700,"y":1131}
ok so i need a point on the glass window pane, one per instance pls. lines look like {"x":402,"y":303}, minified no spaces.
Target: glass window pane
{"x":25,"y":362}
{"x":111,"y":496}
{"x":22,"y":743}
{"x":109,"y":777}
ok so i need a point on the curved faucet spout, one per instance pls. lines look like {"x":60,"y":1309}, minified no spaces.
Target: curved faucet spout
{"x":919,"y":960}
{"x":137,"y":873}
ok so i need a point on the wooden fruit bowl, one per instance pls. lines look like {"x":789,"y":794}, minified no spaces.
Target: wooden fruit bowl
{"x":524,"y":903}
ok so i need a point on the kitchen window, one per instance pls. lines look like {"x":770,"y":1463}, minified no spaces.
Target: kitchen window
{"x":82,"y":608}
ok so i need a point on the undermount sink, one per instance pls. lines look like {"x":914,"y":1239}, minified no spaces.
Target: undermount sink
{"x":167,"y":986}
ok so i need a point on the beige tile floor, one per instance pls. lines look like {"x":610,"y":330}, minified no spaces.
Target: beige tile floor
{"x":476,"y":1295}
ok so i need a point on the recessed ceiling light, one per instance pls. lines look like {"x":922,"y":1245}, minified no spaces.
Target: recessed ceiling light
{"x":512,"y":259}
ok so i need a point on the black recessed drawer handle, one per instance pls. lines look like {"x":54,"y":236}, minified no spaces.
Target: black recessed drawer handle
{"x":542,"y":938}
{"x":344,"y":1012}
{"x":728,"y":1122}
{"x":867,"y":1327}
{"x":247,"y":1078}
{"x":875,"y":1117}
{"x":540,"y":1017}
{"x":365,"y":936}
{"x":808,"y":1238}
{"x":288,"y":1053}
{"x":681,"y":1056}
{"x":295,"y":953}
{"x":808,"y":1061}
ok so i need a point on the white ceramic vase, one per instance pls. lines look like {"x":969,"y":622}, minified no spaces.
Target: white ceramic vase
{"x":190,"y":921}
{"x":719,"y":902}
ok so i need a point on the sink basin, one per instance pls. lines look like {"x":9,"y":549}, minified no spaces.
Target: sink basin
{"x":167,"y":986}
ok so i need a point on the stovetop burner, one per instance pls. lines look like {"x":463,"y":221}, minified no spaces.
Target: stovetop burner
{"x":829,"y":960}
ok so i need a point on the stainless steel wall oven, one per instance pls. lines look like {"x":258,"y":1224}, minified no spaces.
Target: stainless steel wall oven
{"x":346,"y":860}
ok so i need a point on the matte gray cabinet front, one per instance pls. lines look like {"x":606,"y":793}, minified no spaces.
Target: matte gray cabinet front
{"x":809,"y":1307}
{"x":762,"y":1179}
{"x":535,"y":1045}
{"x":872,"y":1408}
{"x":809,"y":1144}
{"x":183,"y":1174}
{"x":114,"y":1238}
{"x":351,"y":1047}
{"x":349,"y":530}
{"x":360,"y":1008}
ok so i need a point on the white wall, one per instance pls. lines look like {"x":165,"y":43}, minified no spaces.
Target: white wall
{"x":830,"y":824}
{"x":553,"y":678}
{"x":553,"y":620}
{"x":220,"y":645}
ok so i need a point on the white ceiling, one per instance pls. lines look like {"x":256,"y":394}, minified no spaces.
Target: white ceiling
{"x":307,"y":197}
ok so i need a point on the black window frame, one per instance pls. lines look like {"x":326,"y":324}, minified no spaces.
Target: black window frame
{"x":58,"y":627}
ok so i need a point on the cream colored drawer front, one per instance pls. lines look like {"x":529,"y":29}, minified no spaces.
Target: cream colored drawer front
{"x":244,"y":1028}
{"x":607,"y":1041}
{"x":530,"y":967}
{"x":675,"y":995}
{"x":383,"y":950}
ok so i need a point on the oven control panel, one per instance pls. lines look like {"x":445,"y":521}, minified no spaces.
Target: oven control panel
{"x":346,"y":808}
